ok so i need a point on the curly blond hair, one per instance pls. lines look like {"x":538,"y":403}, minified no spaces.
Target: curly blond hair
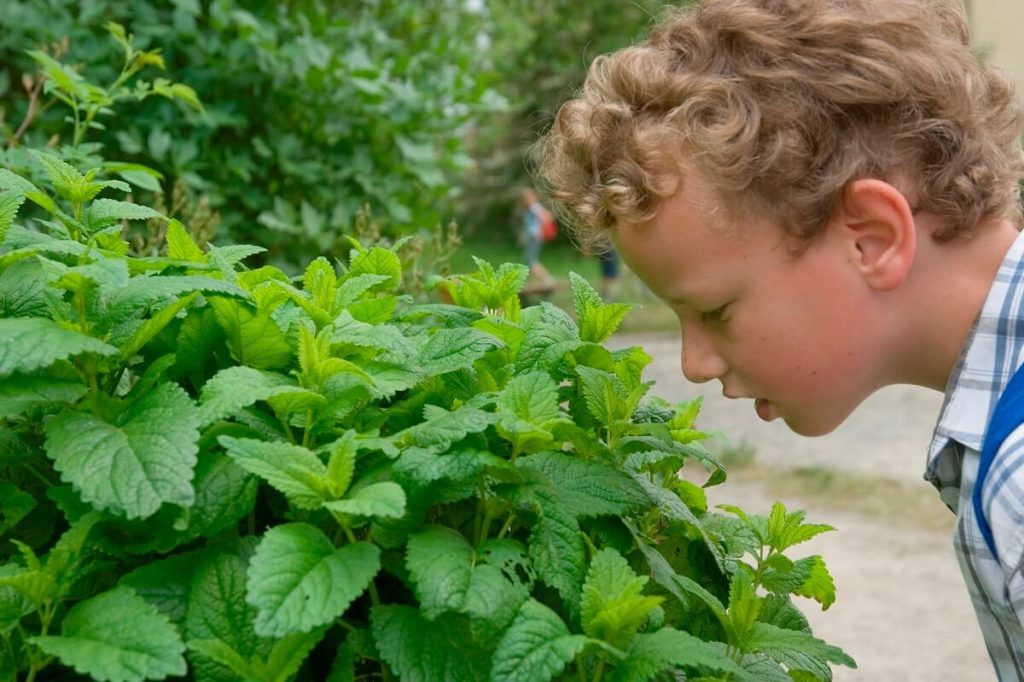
{"x":780,"y":104}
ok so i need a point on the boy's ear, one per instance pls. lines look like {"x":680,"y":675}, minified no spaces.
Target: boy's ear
{"x":878,"y":227}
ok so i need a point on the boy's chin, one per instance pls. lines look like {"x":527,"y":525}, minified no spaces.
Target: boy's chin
{"x":812,"y":425}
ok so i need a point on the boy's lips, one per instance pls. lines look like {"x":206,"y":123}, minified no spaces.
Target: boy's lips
{"x":764,"y":409}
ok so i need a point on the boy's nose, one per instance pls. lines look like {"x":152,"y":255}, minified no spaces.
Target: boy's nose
{"x":700,"y":361}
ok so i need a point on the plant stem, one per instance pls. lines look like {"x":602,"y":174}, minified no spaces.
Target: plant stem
{"x":507,"y":526}
{"x":599,"y":671}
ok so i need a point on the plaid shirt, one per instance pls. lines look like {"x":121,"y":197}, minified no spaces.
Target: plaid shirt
{"x":994,"y":351}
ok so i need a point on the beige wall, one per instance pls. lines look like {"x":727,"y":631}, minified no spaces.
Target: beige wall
{"x":997,"y":27}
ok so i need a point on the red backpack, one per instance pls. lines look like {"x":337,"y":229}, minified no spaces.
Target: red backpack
{"x":548,"y":226}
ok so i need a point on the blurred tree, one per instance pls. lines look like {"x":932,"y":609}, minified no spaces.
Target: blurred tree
{"x":313,"y":108}
{"x":540,"y":51}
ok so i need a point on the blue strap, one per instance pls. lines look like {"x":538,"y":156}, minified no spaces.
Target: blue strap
{"x":1008,"y":415}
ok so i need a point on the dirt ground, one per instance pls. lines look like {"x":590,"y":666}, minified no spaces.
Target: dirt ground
{"x":902,"y":610}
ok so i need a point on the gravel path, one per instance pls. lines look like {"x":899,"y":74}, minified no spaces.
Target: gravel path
{"x":902,"y":610}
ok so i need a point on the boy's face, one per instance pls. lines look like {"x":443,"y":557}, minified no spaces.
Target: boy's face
{"x":796,"y":333}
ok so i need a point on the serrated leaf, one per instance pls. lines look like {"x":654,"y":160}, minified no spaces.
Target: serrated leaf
{"x":384,"y":500}
{"x":233,"y":388}
{"x":796,"y":650}
{"x":440,"y":563}
{"x":537,"y":646}
{"x":180,"y":244}
{"x":655,"y":652}
{"x":19,"y":393}
{"x":140,"y":293}
{"x":217,"y":610}
{"x":419,"y":650}
{"x":25,"y":290}
{"x":451,"y":349}
{"x":164,"y":583}
{"x":527,"y":410}
{"x":377,"y":261}
{"x":65,"y":178}
{"x":153,"y":326}
{"x":254,"y":339}
{"x":584,"y":487}
{"x":291,"y":469}
{"x":124,"y":466}
{"x":605,"y":396}
{"x":15,"y":505}
{"x":299,"y":581}
{"x":27,"y":344}
{"x":556,"y":548}
{"x":786,"y":529}
{"x":819,"y":584}
{"x":104,"y":212}
{"x":10,"y":202}
{"x":319,"y":282}
{"x":442,"y":428}
{"x":613,"y":607}
{"x":13,"y":604}
{"x":597,"y":320}
{"x":341,"y":465}
{"x":14,"y":183}
{"x":116,"y":635}
{"x":289,"y":653}
{"x":744,"y":604}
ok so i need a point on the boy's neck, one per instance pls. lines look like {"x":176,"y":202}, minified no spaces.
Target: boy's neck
{"x":944,"y":296}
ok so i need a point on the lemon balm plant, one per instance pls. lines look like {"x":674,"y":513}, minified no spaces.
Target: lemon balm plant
{"x":222,"y":473}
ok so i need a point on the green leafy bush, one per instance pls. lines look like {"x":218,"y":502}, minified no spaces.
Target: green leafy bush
{"x":222,"y":472}
{"x":313,"y":109}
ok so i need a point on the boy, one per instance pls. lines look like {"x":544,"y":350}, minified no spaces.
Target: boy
{"x":826,"y":193}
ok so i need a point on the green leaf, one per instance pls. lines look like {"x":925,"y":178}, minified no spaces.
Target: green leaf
{"x":419,"y":650}
{"x":319,"y":282}
{"x":527,"y":410}
{"x":819,"y":584}
{"x":231,"y":389}
{"x":217,"y":610}
{"x":613,"y":607}
{"x":796,"y":650}
{"x":20,"y":393}
{"x":298,"y":580}
{"x":556,"y":548}
{"x":25,"y":290}
{"x":104,"y":212}
{"x":254,"y":339}
{"x":180,"y":244}
{"x":10,"y":202}
{"x":27,"y":344}
{"x":385,"y":500}
{"x":65,"y":178}
{"x":14,"y":183}
{"x":138,"y":462}
{"x":656,"y":652}
{"x":153,"y":326}
{"x":585,"y":487}
{"x":117,"y":636}
{"x":537,"y":646}
{"x":744,"y":604}
{"x":141,"y":293}
{"x":597,"y":320}
{"x":15,"y":505}
{"x":606,"y":397}
{"x":291,"y":469}
{"x":165,"y":583}
{"x":341,"y":465}
{"x":377,"y":261}
{"x":788,"y":529}
{"x":440,"y":563}
{"x":451,"y":349}
{"x":442,"y":428}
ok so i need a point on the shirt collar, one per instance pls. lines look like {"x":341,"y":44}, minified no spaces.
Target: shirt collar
{"x":987,"y":361}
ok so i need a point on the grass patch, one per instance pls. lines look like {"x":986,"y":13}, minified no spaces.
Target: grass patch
{"x":874,"y":496}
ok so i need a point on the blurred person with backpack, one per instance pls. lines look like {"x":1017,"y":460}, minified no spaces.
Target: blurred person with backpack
{"x":538,"y":226}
